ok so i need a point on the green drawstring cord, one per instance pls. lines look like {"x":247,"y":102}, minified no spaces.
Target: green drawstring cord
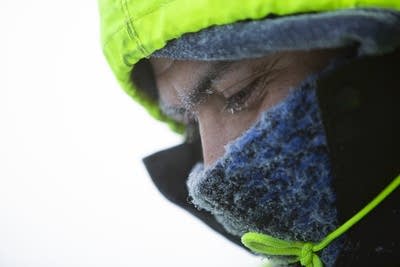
{"x":305,"y":251}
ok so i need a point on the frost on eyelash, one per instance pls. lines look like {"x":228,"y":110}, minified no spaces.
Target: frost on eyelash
{"x":233,"y":108}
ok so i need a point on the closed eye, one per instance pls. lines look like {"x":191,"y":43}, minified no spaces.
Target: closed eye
{"x":239,"y":101}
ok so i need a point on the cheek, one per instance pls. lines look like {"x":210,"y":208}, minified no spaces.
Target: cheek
{"x":218,"y":127}
{"x":276,"y":94}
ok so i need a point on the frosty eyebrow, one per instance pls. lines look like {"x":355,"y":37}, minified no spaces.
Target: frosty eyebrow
{"x":202,"y":87}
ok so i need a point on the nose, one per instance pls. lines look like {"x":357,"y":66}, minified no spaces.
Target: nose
{"x":214,"y":136}
{"x":218,"y":127}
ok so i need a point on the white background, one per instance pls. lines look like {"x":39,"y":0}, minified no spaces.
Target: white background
{"x":73,"y":191}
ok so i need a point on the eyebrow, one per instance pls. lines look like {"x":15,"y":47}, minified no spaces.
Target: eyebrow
{"x":202,"y":87}
{"x":197,"y":93}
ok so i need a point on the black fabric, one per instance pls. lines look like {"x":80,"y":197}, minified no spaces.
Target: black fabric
{"x":169,"y":170}
{"x":360,"y":109}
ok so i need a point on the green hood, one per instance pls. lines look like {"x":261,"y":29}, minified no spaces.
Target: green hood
{"x":133,"y":30}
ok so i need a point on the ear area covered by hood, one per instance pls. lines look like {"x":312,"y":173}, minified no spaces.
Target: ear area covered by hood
{"x":359,"y":106}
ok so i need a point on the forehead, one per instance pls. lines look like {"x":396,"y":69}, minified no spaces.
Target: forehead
{"x":183,"y":71}
{"x":172,"y":76}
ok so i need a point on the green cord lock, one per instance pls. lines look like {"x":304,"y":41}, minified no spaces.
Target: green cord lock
{"x":305,"y":252}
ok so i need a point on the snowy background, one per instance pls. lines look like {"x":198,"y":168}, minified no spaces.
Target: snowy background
{"x":73,"y":191}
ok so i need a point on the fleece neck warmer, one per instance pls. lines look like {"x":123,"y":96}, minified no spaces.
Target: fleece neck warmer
{"x":276,"y":177}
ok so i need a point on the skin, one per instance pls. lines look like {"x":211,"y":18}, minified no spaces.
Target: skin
{"x":226,"y":98}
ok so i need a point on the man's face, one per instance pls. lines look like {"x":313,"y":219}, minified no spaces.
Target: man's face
{"x":227,"y":97}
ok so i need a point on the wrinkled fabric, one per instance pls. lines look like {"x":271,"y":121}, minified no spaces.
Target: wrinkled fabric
{"x":276,"y":177}
{"x":373,"y":31}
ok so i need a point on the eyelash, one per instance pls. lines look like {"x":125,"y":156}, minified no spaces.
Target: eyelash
{"x":241,"y":100}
